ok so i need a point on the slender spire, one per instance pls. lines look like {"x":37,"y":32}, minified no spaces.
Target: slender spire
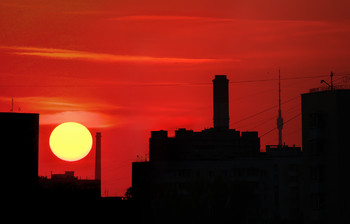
{"x":11,"y":110}
{"x":279,"y":92}
{"x":279,"y":119}
{"x":331,"y":85}
{"x":332,"y":81}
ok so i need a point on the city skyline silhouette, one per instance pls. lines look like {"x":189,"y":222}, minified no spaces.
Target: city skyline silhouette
{"x":215,"y":174}
{"x":125,"y":69}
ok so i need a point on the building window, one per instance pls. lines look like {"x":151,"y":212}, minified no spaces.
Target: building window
{"x":293,"y":179}
{"x":318,"y":173}
{"x":316,"y":146}
{"x":317,"y":201}
{"x":252,"y":172}
{"x":316,"y":120}
{"x":292,"y":168}
{"x":184,"y":173}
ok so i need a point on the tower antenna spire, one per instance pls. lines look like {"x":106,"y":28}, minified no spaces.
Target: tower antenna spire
{"x":331,"y":85}
{"x":279,"y":119}
{"x":11,"y":110}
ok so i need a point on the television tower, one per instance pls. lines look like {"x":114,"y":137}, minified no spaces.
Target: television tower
{"x":279,"y":119}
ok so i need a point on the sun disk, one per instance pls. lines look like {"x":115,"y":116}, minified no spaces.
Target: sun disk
{"x":70,"y":141}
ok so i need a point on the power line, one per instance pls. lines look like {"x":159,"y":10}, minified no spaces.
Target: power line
{"x":270,"y":108}
{"x":153,"y":84}
{"x":273,"y":107}
{"x":263,"y":111}
{"x":276,"y":79}
{"x":342,"y":77}
{"x":283,"y":123}
{"x":272,"y":117}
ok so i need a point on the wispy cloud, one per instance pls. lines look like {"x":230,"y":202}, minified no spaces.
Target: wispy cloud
{"x":88,"y":118}
{"x":167,"y":18}
{"x":103,"y":57}
{"x":55,"y":110}
{"x":54,"y":104}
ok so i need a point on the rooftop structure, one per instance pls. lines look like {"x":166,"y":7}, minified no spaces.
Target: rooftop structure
{"x":66,"y":186}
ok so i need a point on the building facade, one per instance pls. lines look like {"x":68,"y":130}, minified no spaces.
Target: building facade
{"x":221,"y":172}
{"x":218,"y":174}
{"x":325,"y":139}
{"x":67,"y":187}
{"x":19,"y":148}
{"x":204,"y":176}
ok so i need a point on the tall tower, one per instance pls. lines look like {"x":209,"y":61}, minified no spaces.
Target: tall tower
{"x":98,"y":157}
{"x":221,"y":103}
{"x":279,"y":119}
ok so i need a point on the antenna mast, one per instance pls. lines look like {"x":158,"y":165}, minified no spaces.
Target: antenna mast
{"x":279,"y":119}
{"x":332,"y":81}
{"x":331,"y":85}
{"x":11,"y":110}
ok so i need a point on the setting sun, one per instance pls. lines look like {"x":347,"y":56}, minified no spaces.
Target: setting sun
{"x":70,"y":141}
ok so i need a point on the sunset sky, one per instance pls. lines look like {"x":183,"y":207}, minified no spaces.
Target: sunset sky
{"x":125,"y":68}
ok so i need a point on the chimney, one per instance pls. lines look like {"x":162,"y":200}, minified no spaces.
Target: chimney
{"x":98,"y":157}
{"x":220,"y":96}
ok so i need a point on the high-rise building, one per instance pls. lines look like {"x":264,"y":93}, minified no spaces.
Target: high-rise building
{"x":210,"y":172}
{"x":325,"y":139}
{"x":19,"y":150}
{"x":206,"y":174}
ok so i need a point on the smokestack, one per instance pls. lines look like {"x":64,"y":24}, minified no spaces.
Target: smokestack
{"x":220,"y":96}
{"x":98,"y":157}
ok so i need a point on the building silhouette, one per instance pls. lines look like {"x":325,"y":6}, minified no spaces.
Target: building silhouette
{"x":221,"y":102}
{"x":19,"y":150}
{"x":67,"y":187}
{"x":285,"y":164}
{"x":62,"y":195}
{"x":218,"y":173}
{"x":325,"y":139}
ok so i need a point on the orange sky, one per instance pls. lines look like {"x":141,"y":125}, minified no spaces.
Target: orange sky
{"x":128,"y":67}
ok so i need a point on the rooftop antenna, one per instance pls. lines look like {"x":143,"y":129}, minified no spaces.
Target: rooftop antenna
{"x":331,"y":85}
{"x":11,"y":110}
{"x":279,"y":119}
{"x":13,"y":106}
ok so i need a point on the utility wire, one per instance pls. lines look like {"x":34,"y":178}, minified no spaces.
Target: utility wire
{"x":153,"y":84}
{"x":263,"y":111}
{"x":272,"y":117}
{"x":283,"y":124}
{"x":276,"y":79}
{"x":270,"y":108}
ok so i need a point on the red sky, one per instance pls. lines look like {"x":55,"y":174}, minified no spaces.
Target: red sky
{"x":128,"y":67}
